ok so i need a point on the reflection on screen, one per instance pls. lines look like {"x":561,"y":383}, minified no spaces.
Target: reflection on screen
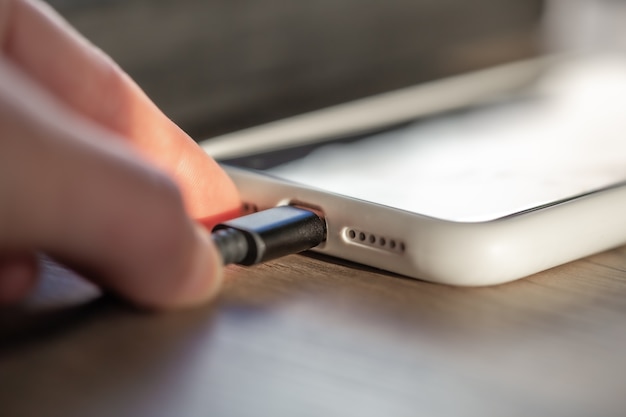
{"x":567,"y":138}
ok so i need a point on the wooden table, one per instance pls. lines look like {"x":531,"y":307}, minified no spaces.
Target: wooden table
{"x":312,"y":336}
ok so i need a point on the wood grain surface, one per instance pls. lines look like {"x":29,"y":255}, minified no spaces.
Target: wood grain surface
{"x":312,"y":336}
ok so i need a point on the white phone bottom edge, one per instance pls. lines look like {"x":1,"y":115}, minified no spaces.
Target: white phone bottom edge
{"x":466,"y":254}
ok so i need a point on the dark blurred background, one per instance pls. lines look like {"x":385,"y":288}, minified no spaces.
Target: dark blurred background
{"x":222,"y":65}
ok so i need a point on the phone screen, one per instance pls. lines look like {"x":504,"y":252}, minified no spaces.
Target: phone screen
{"x":564,"y":138}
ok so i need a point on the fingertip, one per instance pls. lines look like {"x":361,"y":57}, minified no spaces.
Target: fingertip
{"x":203,"y":280}
{"x":206,"y":276}
{"x":212,"y":261}
{"x":209,"y":193}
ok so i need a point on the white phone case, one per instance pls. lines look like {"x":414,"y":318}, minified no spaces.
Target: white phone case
{"x":444,"y":251}
{"x":481,"y":253}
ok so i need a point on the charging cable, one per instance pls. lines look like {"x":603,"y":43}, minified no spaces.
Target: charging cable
{"x":268,"y":234}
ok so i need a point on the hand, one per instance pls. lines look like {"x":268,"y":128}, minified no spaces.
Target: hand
{"x":93,"y":174}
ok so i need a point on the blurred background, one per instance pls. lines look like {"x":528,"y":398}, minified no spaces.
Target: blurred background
{"x":222,"y":65}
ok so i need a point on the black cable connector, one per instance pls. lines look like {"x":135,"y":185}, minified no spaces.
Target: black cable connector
{"x":268,"y":234}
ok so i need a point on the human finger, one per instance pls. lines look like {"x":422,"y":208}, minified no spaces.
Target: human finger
{"x":56,"y":56}
{"x":75,"y":191}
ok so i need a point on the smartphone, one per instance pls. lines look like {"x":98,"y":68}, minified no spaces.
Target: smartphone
{"x":476,"y":180}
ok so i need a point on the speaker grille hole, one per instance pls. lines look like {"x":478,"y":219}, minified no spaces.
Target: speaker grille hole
{"x":370,"y":239}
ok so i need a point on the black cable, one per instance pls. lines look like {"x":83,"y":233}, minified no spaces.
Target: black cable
{"x":268,"y":234}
